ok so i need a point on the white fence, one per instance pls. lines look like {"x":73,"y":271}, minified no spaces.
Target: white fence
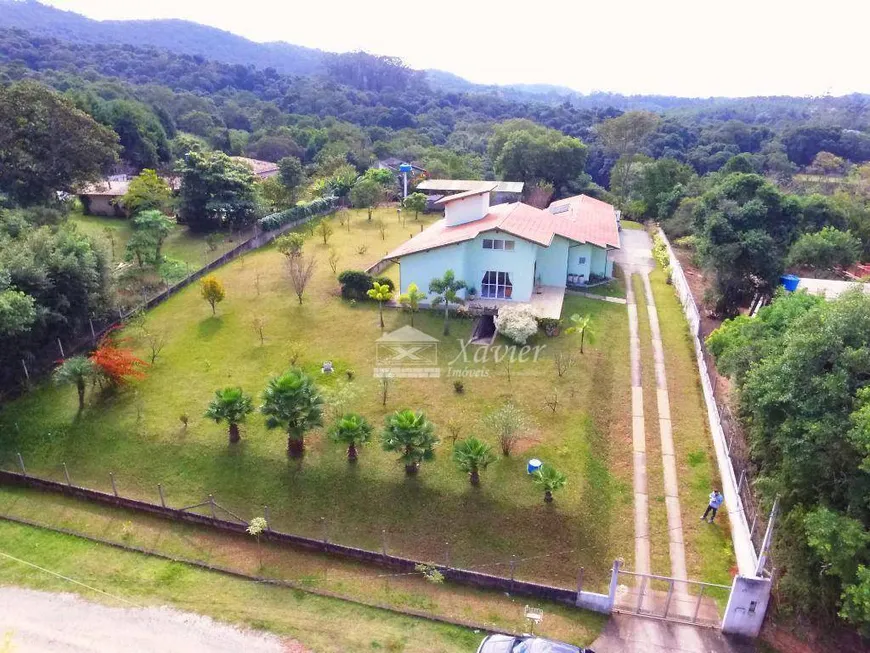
{"x":746,"y":522}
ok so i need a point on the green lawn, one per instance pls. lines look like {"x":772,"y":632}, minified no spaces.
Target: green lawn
{"x":319,"y":623}
{"x":364,"y":583}
{"x":613,"y":288}
{"x":631,"y":224}
{"x":709,"y":553}
{"x":138,"y":433}
{"x":181,"y":245}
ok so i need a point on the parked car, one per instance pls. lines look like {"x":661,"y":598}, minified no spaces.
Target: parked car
{"x":526,"y":644}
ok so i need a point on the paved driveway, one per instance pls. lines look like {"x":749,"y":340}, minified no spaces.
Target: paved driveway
{"x":635,"y":253}
{"x":627,"y":634}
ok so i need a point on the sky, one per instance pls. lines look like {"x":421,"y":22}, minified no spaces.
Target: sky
{"x":693,"y":48}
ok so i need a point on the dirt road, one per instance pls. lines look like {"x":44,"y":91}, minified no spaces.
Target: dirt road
{"x":64,"y":623}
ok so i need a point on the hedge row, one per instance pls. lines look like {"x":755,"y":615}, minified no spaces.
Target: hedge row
{"x":356,"y":283}
{"x":299,"y":212}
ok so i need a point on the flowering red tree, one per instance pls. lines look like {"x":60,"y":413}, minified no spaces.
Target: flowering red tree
{"x":117,"y":364}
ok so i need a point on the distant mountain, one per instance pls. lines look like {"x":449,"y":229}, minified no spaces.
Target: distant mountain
{"x":179,"y":36}
{"x":186,"y":37}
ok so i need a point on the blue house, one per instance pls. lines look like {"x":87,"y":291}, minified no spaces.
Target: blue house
{"x":513,"y":253}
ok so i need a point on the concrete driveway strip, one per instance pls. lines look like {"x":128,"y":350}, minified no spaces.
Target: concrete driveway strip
{"x":65,"y":623}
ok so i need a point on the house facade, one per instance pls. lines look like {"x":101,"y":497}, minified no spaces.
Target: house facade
{"x":510,"y":252}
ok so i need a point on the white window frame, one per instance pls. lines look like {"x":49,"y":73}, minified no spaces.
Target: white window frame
{"x":498,"y":289}
{"x":499,"y":244}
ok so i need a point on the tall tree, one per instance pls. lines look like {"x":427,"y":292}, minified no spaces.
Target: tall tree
{"x":232,"y":406}
{"x":48,"y":145}
{"x":215,"y":192}
{"x":522,"y":150}
{"x":292,"y":173}
{"x":150,"y":230}
{"x":293,"y":402}
{"x":147,"y":192}
{"x":366,"y":194}
{"x":625,"y":136}
{"x":744,"y":226}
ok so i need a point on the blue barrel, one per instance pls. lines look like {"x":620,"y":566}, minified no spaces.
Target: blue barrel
{"x":533,"y":466}
{"x":790,"y":282}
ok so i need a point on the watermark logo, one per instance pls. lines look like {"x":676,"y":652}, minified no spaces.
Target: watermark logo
{"x":410,"y":353}
{"x":407,"y":352}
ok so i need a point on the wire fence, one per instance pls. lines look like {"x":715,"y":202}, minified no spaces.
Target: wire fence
{"x":511,"y":573}
{"x":37,"y":363}
{"x":733,"y":435}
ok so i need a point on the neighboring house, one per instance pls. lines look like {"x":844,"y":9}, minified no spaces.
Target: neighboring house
{"x":437,"y":189}
{"x":262,"y":169}
{"x":104,"y":197}
{"x":513,"y":252}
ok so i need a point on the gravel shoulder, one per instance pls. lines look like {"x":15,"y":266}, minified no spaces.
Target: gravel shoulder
{"x":65,"y":623}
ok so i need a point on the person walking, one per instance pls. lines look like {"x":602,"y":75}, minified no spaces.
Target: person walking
{"x":716,"y":500}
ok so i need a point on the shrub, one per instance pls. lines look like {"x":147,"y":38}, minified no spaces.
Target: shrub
{"x":355,"y":284}
{"x":550,"y":325}
{"x":517,"y":323}
{"x":458,"y":387}
{"x":301,"y":211}
{"x":660,"y":254}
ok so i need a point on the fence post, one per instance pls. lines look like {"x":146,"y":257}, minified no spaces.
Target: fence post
{"x":211,"y":506}
{"x":60,"y":346}
{"x":580,"y":582}
{"x":26,"y":373}
{"x":266,"y":517}
{"x":614,"y":583}
{"x":325,"y":534}
{"x":698,"y":604}
{"x":160,"y":491}
{"x":447,"y":554}
{"x":384,"y":542}
{"x":740,"y":482}
{"x":93,"y":333}
{"x":640,"y":595}
{"x":114,"y":487}
{"x":21,"y":464}
{"x":66,"y":474}
{"x":668,"y":602}
{"x":513,"y":571}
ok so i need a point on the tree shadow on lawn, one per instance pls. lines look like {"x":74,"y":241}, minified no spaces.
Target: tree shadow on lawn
{"x":209,"y":327}
{"x":356,"y":503}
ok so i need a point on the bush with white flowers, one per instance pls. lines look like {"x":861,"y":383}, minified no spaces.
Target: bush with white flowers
{"x":517,"y":323}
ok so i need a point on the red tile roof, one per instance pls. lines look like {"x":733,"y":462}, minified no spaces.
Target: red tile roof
{"x":586,"y":220}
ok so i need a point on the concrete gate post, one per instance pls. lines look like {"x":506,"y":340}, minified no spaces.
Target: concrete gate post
{"x":747,"y":606}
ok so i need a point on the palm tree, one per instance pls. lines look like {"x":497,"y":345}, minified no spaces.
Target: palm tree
{"x":446,"y":289}
{"x":550,"y":480}
{"x":381,"y":293}
{"x":412,"y":435}
{"x":232,"y":406}
{"x":352,"y":430}
{"x":583,"y":326}
{"x":410,"y":301}
{"x":472,"y":456}
{"x":292,"y":402}
{"x":77,"y":370}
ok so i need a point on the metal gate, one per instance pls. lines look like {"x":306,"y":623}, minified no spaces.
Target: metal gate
{"x":661,"y":597}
